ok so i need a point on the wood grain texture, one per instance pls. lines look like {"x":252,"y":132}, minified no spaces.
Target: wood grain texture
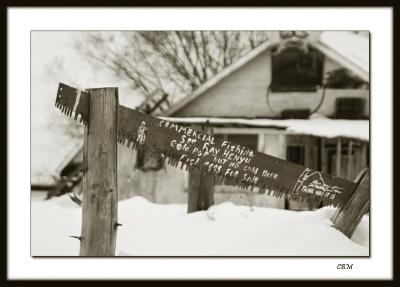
{"x":201,"y":186}
{"x":349,"y":216}
{"x":349,"y":159}
{"x":339,"y":157}
{"x":243,"y":94}
{"x":100,"y":189}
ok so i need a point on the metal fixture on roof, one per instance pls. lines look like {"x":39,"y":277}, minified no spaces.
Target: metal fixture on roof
{"x":296,"y":40}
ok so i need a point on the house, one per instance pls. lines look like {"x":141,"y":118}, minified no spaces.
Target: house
{"x":56,"y":162}
{"x":301,"y":96}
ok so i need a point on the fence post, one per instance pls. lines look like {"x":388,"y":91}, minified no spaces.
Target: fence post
{"x":201,"y":187}
{"x":347,"y":218}
{"x":100,"y":189}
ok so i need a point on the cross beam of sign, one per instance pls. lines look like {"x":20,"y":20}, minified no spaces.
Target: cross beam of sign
{"x":188,"y":148}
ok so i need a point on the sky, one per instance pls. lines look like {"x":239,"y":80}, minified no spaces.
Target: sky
{"x":57,"y":47}
{"x":49,"y":140}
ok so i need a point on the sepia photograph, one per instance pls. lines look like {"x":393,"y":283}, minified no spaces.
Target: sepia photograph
{"x":200,"y":143}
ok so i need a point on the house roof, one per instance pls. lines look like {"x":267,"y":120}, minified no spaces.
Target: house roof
{"x":348,"y":49}
{"x":332,"y":128}
{"x":51,"y":151}
{"x":220,"y":76}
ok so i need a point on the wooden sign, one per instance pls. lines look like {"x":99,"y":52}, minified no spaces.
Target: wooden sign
{"x":187,"y":148}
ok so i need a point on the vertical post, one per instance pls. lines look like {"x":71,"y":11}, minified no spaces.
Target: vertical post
{"x":201,"y":187}
{"x":364,"y":154}
{"x":339,"y":157}
{"x":347,"y":218}
{"x":357,"y":159}
{"x":100,"y":190}
{"x":350,"y":160}
{"x":324,"y":161}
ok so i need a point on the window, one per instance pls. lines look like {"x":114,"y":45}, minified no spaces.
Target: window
{"x":295,"y":154}
{"x":294,"y":70}
{"x":250,"y":141}
{"x":350,"y":108}
{"x":351,"y":163}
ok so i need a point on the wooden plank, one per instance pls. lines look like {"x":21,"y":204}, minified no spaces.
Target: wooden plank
{"x":201,"y":186}
{"x":349,"y":216}
{"x":315,"y":153}
{"x":339,"y":157}
{"x":350,"y":159}
{"x":100,"y":191}
{"x":261,"y":142}
{"x":364,"y":154}
{"x":324,"y":158}
{"x":307,"y":153}
{"x":357,"y":180}
{"x":357,"y":159}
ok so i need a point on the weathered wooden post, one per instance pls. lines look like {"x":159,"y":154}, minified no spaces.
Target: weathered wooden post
{"x":100,"y":190}
{"x":201,"y":186}
{"x":347,"y":218}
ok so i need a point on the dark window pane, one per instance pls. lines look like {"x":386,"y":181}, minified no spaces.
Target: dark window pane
{"x":349,"y":108}
{"x":250,"y":141}
{"x":294,"y":70}
{"x":296,"y":154}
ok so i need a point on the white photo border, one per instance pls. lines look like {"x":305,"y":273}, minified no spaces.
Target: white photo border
{"x":21,"y":21}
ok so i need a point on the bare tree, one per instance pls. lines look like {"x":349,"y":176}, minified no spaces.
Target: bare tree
{"x":173,"y":62}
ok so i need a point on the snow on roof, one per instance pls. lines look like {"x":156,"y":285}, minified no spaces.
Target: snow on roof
{"x":322,"y":127}
{"x":51,"y":151}
{"x":348,"y":49}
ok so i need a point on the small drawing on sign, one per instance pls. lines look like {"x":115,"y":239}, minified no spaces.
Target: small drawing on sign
{"x":313,"y":183}
{"x":142,"y":133}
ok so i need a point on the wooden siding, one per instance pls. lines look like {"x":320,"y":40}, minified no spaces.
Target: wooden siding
{"x":241,"y":94}
{"x":163,"y":186}
{"x":244,"y":94}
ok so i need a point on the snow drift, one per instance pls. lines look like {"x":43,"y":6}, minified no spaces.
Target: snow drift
{"x":224,"y":230}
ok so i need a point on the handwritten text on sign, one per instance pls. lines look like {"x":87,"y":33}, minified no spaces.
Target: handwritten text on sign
{"x":226,"y":159}
{"x":234,"y":163}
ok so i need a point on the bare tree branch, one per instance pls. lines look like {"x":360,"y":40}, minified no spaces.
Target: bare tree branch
{"x":169,"y":61}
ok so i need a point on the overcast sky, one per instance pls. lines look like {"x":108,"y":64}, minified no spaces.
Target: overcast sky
{"x":50,"y":47}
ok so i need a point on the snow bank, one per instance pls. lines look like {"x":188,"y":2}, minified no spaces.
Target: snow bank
{"x":224,"y":230}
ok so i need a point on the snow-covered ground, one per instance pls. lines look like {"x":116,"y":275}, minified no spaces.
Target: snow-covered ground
{"x":224,"y":230}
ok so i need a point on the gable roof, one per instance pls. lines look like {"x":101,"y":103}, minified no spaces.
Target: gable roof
{"x":220,"y":76}
{"x":346,"y":48}
{"x":51,"y":152}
